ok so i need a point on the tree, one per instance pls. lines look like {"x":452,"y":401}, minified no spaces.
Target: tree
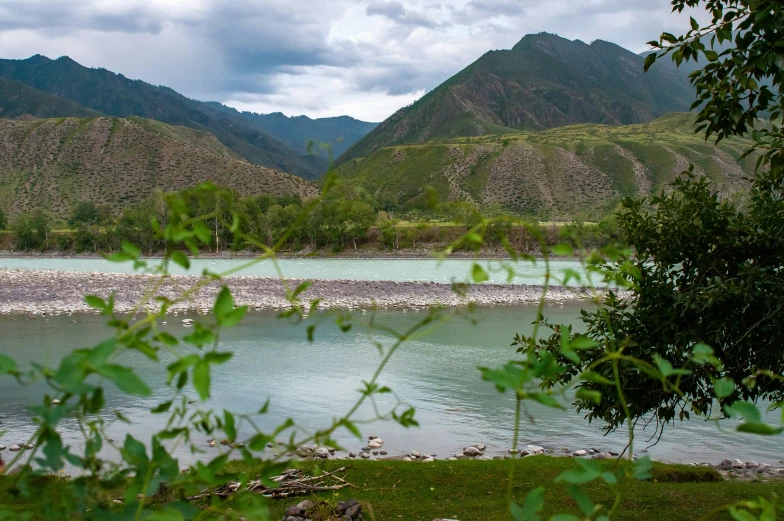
{"x":87,"y":219}
{"x":741,"y":82}
{"x":31,"y":231}
{"x":707,"y":278}
{"x":89,"y":213}
{"x":3,"y":220}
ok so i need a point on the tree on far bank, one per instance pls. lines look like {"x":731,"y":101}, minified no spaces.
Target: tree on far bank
{"x":31,"y":231}
{"x":3,"y":220}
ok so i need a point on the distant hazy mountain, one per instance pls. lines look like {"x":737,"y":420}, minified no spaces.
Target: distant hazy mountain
{"x":115,"y":95}
{"x":20,"y":100}
{"x":576,"y":171}
{"x":339,"y":132}
{"x":54,"y":163}
{"x":544,"y":81}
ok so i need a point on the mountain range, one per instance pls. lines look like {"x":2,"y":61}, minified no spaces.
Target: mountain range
{"x":551,"y":127}
{"x":64,"y":88}
{"x":544,"y":81}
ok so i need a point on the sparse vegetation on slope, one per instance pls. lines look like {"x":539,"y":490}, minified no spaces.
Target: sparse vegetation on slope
{"x":53,"y":163}
{"x":579,"y":171}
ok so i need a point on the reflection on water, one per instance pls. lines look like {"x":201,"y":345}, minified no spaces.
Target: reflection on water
{"x":315,"y":382}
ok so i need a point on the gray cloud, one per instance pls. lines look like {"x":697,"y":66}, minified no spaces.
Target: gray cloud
{"x":364,"y":57}
{"x":64,"y":15}
{"x":396,"y":11}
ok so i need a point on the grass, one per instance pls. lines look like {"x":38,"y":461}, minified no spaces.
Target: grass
{"x":475,"y":490}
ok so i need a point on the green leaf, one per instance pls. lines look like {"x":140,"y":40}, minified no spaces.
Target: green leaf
{"x":224,"y":303}
{"x":161,"y":408}
{"x":7,"y":364}
{"x":723,"y":387}
{"x":582,"y":342}
{"x":609,"y":477}
{"x":131,"y":250}
{"x":760,"y":428}
{"x":666,"y":368}
{"x":201,"y":379}
{"x":510,"y":376}
{"x":747,"y":410}
{"x":228,"y":425}
{"x":533,"y":504}
{"x":134,"y":450}
{"x":649,"y":60}
{"x":95,"y":302}
{"x":217,"y":357}
{"x":125,"y":379}
{"x":641,"y":469}
{"x":711,"y":56}
{"x":590,"y":396}
{"x":180,"y":258}
{"x":547,"y":400}
{"x":593,"y":376}
{"x":563,"y":249}
{"x":589,"y":471}
{"x":478,"y":274}
{"x":583,"y":501}
{"x":234,"y":317}
{"x":352,"y":428}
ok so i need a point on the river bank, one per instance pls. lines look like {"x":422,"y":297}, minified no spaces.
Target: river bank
{"x":60,"y":292}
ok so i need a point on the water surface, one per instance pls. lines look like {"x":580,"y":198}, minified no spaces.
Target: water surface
{"x":312,"y":382}
{"x":427,"y":270}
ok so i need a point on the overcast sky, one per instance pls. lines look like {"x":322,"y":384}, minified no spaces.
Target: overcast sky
{"x":364,"y":58}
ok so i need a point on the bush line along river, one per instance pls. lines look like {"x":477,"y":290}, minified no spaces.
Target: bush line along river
{"x":314,"y":381}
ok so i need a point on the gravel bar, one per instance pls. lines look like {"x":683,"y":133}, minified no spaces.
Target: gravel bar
{"x":58,"y":292}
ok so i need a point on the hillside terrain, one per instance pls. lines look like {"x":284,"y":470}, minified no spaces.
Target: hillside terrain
{"x":115,"y":95}
{"x":339,"y":132}
{"x":54,"y":163}
{"x":544,"y":81}
{"x":564,"y":173}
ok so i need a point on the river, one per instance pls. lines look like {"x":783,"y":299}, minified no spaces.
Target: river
{"x":427,"y":270}
{"x":312,"y":382}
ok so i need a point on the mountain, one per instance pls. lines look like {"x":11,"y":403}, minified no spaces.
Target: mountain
{"x":339,"y":132}
{"x":578,"y":171}
{"x":115,"y":95}
{"x":54,"y":163}
{"x":20,"y":100}
{"x":544,"y":81}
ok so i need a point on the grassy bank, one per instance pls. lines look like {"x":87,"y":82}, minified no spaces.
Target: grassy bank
{"x":475,"y":490}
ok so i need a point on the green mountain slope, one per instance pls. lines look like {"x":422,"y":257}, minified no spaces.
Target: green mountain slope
{"x":115,"y":95}
{"x":54,"y":163}
{"x":544,"y":81}
{"x":20,"y":100}
{"x":339,"y":132}
{"x":569,"y":172}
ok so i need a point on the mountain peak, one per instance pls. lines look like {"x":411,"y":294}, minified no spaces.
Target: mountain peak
{"x":545,"y":81}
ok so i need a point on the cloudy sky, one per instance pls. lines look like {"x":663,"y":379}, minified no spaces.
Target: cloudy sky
{"x":364,"y":58}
